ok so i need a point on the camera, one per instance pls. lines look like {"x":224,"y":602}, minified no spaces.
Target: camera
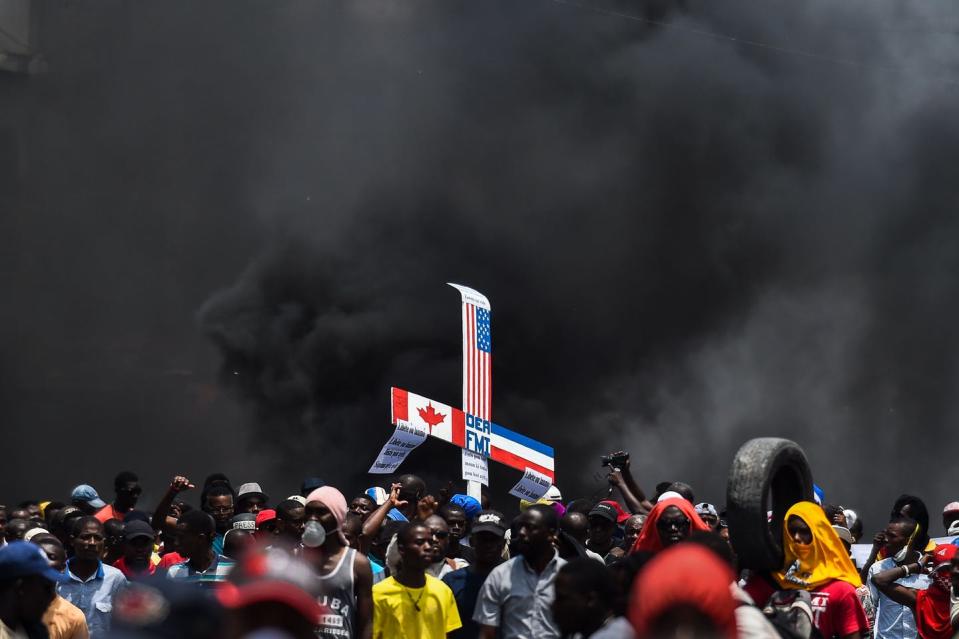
{"x":616,"y":460}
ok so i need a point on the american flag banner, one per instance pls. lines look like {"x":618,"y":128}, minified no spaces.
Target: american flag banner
{"x":477,"y":355}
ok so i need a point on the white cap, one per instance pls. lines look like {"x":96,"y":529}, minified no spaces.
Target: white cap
{"x":33,"y":532}
{"x":669,"y":494}
{"x":954,"y":528}
{"x":843,"y":534}
{"x":553,"y":494}
{"x":298,"y":498}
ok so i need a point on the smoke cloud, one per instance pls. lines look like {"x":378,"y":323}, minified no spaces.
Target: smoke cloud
{"x":696,"y":224}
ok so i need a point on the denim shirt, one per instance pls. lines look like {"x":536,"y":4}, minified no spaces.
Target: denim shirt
{"x":893,"y":620}
{"x":94,"y":596}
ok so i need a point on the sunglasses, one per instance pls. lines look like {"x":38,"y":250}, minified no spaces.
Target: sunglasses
{"x":670,"y":524}
{"x":440,"y":534}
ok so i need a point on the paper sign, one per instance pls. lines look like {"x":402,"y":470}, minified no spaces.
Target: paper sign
{"x":860,"y":552}
{"x":475,"y":468}
{"x":405,"y":438}
{"x":532,"y":486}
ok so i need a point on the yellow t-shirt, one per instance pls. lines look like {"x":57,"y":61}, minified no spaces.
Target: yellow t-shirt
{"x":65,"y":621}
{"x":395,"y":613}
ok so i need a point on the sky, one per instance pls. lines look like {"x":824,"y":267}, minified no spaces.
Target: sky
{"x":229,"y":226}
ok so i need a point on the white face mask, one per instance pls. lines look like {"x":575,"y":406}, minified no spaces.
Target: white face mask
{"x":314,"y":535}
{"x":900,"y":556}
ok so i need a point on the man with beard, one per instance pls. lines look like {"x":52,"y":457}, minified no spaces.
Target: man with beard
{"x":487,"y":540}
{"x":516,"y":599}
{"x":219,"y":505}
{"x":27,"y":588}
{"x":91,"y":584}
{"x":412,"y":604}
{"x":345,"y":574}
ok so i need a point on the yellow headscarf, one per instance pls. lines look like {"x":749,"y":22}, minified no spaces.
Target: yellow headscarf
{"x":812,"y":566}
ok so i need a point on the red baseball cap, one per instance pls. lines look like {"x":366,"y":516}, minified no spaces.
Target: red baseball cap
{"x":944,"y":553}
{"x":264,"y":516}
{"x":274,"y":575}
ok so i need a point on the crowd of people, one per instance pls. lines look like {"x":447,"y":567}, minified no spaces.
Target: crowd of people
{"x":402,"y":561}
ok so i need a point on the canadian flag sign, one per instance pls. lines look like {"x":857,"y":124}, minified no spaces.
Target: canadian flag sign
{"x":472,"y":433}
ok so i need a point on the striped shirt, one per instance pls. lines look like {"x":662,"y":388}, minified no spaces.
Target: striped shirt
{"x":216,"y":573}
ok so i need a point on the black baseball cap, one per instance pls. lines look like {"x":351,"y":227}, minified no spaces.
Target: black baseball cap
{"x":604,"y":510}
{"x":490,"y":521}
{"x":137,"y":528}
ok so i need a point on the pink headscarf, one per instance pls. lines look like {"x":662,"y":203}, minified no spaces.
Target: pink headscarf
{"x":336,"y":502}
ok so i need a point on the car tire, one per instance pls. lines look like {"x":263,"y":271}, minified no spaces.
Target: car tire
{"x":768,"y":473}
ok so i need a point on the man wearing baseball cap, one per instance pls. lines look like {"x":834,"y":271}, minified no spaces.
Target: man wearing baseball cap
{"x":950,"y":515}
{"x":28,"y":584}
{"x":487,"y":539}
{"x":603,"y":518}
{"x":708,"y":513}
{"x":137,"y":560}
{"x":85,"y":498}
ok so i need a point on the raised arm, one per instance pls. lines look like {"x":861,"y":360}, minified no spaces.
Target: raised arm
{"x":878,"y":541}
{"x":373,"y":523}
{"x":161,"y":516}
{"x":638,"y":495}
{"x":634,"y":505}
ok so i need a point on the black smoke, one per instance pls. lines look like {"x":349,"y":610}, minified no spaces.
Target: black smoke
{"x":696,"y":223}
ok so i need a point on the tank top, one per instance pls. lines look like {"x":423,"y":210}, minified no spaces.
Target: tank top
{"x":339,"y":600}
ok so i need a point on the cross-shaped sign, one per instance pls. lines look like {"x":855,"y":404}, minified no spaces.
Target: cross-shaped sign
{"x":471,"y":429}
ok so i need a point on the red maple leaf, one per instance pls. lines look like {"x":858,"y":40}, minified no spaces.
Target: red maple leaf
{"x":431,"y":417}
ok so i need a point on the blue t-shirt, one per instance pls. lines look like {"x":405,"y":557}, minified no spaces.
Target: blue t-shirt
{"x":379,"y":572}
{"x":465,"y":584}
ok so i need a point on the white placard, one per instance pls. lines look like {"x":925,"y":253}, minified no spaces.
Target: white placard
{"x":860,"y":552}
{"x":405,"y":438}
{"x":532,"y":486}
{"x":475,"y":468}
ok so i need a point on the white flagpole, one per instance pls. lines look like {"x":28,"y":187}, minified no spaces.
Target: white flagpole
{"x":477,"y":299}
